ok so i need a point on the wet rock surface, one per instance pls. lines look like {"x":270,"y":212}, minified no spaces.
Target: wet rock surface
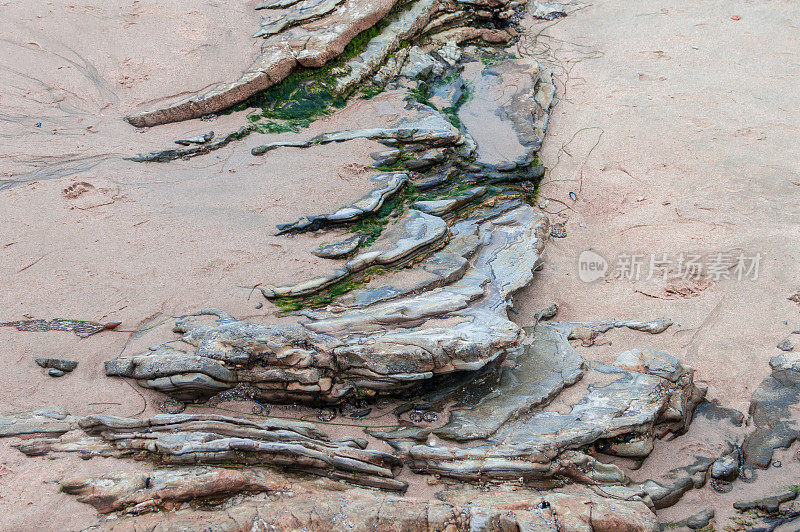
{"x":509,"y":425}
{"x":291,"y":503}
{"x":311,"y":33}
{"x":185,"y":439}
{"x":380,"y":347}
{"x":771,"y":411}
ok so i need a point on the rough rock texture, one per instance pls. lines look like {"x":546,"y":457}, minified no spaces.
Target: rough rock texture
{"x":408,"y":23}
{"x":340,"y":249}
{"x":311,"y":33}
{"x":276,"y":21}
{"x":445,"y":206}
{"x":540,"y":372}
{"x":771,"y":411}
{"x":292,"y":504}
{"x":309,"y":45}
{"x":387,"y":185}
{"x":52,"y":421}
{"x":412,"y":234}
{"x":214,"y":439}
{"x":430,"y":128}
{"x":652,"y":394}
{"x":385,"y":346}
{"x":137,"y":493}
{"x":57,"y":364}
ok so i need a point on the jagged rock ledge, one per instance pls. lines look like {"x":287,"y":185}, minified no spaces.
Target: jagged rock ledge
{"x":382,"y":347}
{"x":186,"y":439}
{"x":311,"y":33}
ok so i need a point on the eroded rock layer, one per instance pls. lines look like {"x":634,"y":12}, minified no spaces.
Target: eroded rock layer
{"x":385,"y":346}
{"x":311,"y":33}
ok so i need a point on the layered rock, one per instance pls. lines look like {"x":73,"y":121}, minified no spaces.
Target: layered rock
{"x":385,"y":346}
{"x":413,"y":234}
{"x":186,"y":439}
{"x":651,"y":394}
{"x":428,"y":127}
{"x":386,"y":186}
{"x":290,"y":504}
{"x":771,"y":411}
{"x":311,"y":33}
{"x":309,"y":45}
{"x":52,"y":421}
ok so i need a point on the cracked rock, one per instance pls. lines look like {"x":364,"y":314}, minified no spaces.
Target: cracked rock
{"x":386,"y":346}
{"x":197,"y":439}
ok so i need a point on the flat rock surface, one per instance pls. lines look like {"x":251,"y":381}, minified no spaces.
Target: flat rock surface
{"x":545,"y":366}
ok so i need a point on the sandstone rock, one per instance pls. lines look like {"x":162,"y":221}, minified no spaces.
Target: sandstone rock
{"x":299,"y":12}
{"x":331,"y":506}
{"x":194,"y":439}
{"x":418,"y":65}
{"x":450,"y":53}
{"x":448,"y":205}
{"x":541,"y":371}
{"x":425,"y":159}
{"x":386,"y":346}
{"x":412,"y":233}
{"x":310,"y":45}
{"x":430,"y":128}
{"x":339,"y":249}
{"x":387,"y":185}
{"x":768,"y":503}
{"x":52,"y":421}
{"x":771,"y":411}
{"x":137,"y":493}
{"x":621,"y":418}
{"x":407,"y":24}
{"x":57,"y":364}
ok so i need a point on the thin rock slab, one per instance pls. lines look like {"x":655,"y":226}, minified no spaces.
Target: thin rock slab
{"x":51,"y":421}
{"x":208,"y":439}
{"x":429,"y":128}
{"x":327,"y":505}
{"x":387,"y":185}
{"x":309,"y":45}
{"x":408,"y":24}
{"x":621,"y":418}
{"x":441,"y":207}
{"x":413,"y":233}
{"x":771,"y":411}
{"x":545,"y":367}
{"x":300,"y":12}
{"x":340,"y":249}
{"x":383,"y":347}
{"x":141,"y":492}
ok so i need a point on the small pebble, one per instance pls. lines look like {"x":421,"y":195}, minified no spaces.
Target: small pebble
{"x":56,"y":373}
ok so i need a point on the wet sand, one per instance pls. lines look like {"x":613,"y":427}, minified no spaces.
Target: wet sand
{"x":677,"y":129}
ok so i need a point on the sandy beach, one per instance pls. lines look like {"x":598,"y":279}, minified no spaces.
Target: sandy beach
{"x":674,"y":134}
